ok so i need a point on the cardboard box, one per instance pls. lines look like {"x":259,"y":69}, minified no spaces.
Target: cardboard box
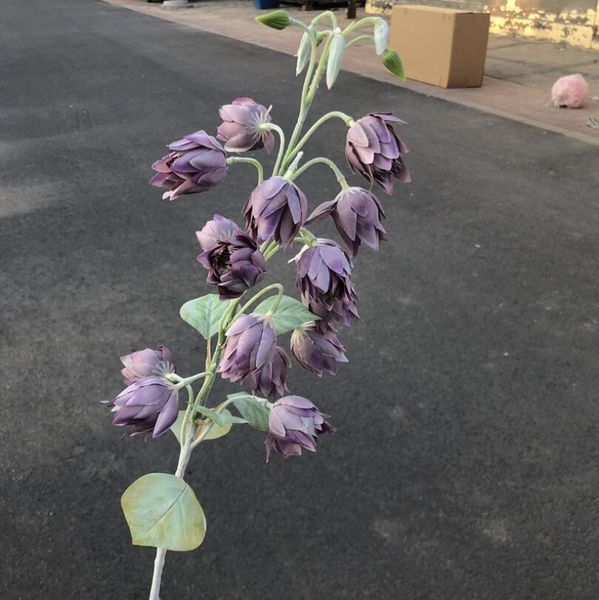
{"x":441,"y":46}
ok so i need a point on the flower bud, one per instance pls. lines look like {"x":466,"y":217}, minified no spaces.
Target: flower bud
{"x":231,"y":256}
{"x":336,"y":52}
{"x":317,"y":348}
{"x":303,"y":53}
{"x":278,"y":19}
{"x":149,"y":405}
{"x":294,"y":423}
{"x":392,"y":62}
{"x":240,"y":129}
{"x":277,"y":209}
{"x":381,"y":36}
{"x":358,"y":216}
{"x":373,"y":149}
{"x":324,"y":281}
{"x":271,"y":380}
{"x":144,"y":363}
{"x":250,"y":345}
{"x":195,"y":164}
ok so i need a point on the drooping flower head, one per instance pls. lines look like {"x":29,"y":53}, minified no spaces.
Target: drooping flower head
{"x":294,"y":423}
{"x":149,"y":405}
{"x":271,"y":380}
{"x":250,"y":345}
{"x":358,"y":216}
{"x":143,"y":363}
{"x":276,"y":208}
{"x":373,"y":149}
{"x":240,"y":129}
{"x":232,"y":258}
{"x":324,"y":281}
{"x":317,"y":348}
{"x":194,"y":164}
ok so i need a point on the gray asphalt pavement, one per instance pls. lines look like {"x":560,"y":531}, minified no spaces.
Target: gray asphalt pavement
{"x":465,"y":466}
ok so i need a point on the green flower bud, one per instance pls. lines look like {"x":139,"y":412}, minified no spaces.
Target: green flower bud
{"x":336,"y":52}
{"x":392,"y":62}
{"x":278,"y":19}
{"x":381,"y":36}
{"x":303,"y":53}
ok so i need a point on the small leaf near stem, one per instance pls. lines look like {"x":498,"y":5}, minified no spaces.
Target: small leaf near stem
{"x":325,"y":161}
{"x":232,"y":160}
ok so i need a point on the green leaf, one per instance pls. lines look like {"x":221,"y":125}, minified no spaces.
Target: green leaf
{"x":215,"y":432}
{"x":253,"y":409}
{"x":162,"y":511}
{"x":218,"y":418}
{"x":204,"y":314}
{"x":392,"y":63}
{"x":290,"y":314}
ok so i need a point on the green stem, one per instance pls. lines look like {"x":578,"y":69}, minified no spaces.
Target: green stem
{"x":357,"y":24}
{"x":281,"y":134}
{"x":261,"y":293}
{"x":334,"y":114}
{"x":360,"y":38}
{"x":232,"y":160}
{"x":325,"y":161}
{"x":189,"y":380}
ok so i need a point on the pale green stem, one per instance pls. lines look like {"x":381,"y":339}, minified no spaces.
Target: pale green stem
{"x":271,"y":251}
{"x":281,"y":134}
{"x":361,"y":38}
{"x":280,"y":289}
{"x":189,"y":380}
{"x":334,"y":114}
{"x":232,"y":160}
{"x":325,"y":161}
{"x":304,"y":101}
{"x":357,"y":24}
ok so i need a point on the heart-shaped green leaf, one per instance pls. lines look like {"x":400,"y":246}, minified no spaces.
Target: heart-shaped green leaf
{"x":204,"y":314}
{"x":215,"y":431}
{"x":162,"y":511}
{"x":290,"y":314}
{"x":253,"y":409}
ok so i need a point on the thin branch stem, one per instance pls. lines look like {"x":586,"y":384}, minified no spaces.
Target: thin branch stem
{"x":281,"y":153}
{"x":325,"y":161}
{"x":261,"y":293}
{"x":232,"y":160}
{"x":361,"y":38}
{"x":334,"y":114}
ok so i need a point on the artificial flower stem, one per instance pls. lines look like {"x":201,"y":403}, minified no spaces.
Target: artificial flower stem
{"x":189,"y":380}
{"x":325,"y":161}
{"x":184,"y":456}
{"x":232,"y":160}
{"x":361,"y":38}
{"x":280,"y":289}
{"x":292,"y":151}
{"x":281,"y":153}
{"x":357,"y":24}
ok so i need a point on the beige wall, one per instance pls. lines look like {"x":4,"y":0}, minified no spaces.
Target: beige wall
{"x":572,"y":21}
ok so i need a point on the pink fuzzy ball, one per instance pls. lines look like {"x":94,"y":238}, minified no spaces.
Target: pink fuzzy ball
{"x":570,"y":91}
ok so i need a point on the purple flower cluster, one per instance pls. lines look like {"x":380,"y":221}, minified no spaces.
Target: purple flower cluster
{"x":276,"y":210}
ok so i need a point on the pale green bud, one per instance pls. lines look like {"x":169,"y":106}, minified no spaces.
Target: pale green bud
{"x":381,"y":36}
{"x":392,"y":63}
{"x":336,"y":52}
{"x":278,"y":19}
{"x":303,"y":52}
